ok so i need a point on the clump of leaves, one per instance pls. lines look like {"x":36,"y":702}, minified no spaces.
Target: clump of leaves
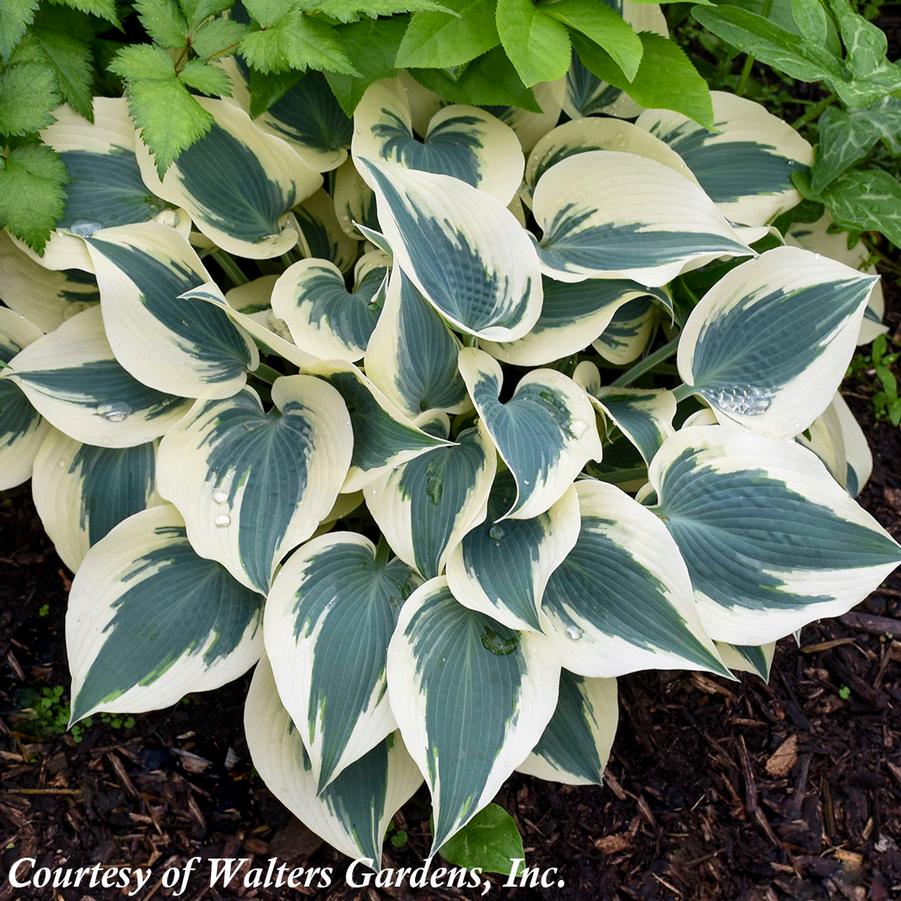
{"x":880,"y":365}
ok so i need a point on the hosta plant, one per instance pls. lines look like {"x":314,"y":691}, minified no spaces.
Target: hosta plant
{"x":441,"y":418}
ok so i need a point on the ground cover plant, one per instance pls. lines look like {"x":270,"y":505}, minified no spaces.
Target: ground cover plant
{"x":442,"y":415}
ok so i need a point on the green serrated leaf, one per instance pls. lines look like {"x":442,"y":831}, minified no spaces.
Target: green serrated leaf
{"x":28,"y":96}
{"x":197,"y":11}
{"x":103,"y":9}
{"x":216,"y":37}
{"x":372,"y":44}
{"x":32,"y":193}
{"x":490,"y":80}
{"x":268,"y":89}
{"x":69,"y":58}
{"x":15,"y":17}
{"x":537,"y":44}
{"x":164,"y":22}
{"x":205,"y":78}
{"x":489,"y":842}
{"x":606,"y":27}
{"x":170,"y":119}
{"x":297,"y":41}
{"x":666,"y":77}
{"x":351,"y":11}
{"x":867,"y":200}
{"x":439,"y":40}
{"x":268,"y":12}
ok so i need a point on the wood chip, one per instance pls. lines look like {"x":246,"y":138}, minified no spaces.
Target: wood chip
{"x":782,"y":761}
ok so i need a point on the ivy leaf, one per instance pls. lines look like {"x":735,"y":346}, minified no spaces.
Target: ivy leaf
{"x":606,"y":27}
{"x":103,"y":9}
{"x":848,"y":136}
{"x":350,"y":11}
{"x":490,"y":80}
{"x":170,"y":119}
{"x":53,"y":43}
{"x":537,"y":44}
{"x":32,"y":195}
{"x":490,"y":841}
{"x":205,"y":78}
{"x":372,"y":44}
{"x":296,"y":41}
{"x":810,"y":17}
{"x":164,"y":22}
{"x":665,"y":79}
{"x":441,"y":40}
{"x":216,"y":36}
{"x":15,"y":17}
{"x":865,"y":42}
{"x":867,"y":200}
{"x":28,"y":96}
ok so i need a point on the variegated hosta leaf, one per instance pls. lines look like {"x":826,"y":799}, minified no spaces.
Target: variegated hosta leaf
{"x":756,"y":659}
{"x":164,"y":340}
{"x":43,"y":296}
{"x":307,"y":116}
{"x":546,"y":432}
{"x":237,"y":183}
{"x":21,"y":428}
{"x":529,"y":126}
{"x":575,"y":746}
{"x":769,"y":343}
{"x":629,"y":332}
{"x":105,"y":188}
{"x":643,"y":415}
{"x":745,"y":164}
{"x":819,"y":237}
{"x":470,"y":696}
{"x":330,"y":614}
{"x":584,"y":135}
{"x":73,"y":380}
{"x":412,"y":355}
{"x":573,"y":314}
{"x":502,"y":569}
{"x":352,"y":813}
{"x":621,"y":601}
{"x":326,"y":320}
{"x":149,"y":621}
{"x":837,"y":439}
{"x":461,"y":248}
{"x":426,"y":506}
{"x":383,"y":436}
{"x":617,"y":215}
{"x":321,"y":234}
{"x":464,"y":141}
{"x":267,"y":333}
{"x":354,"y":201}
{"x":586,"y":94}
{"x":771,"y":541}
{"x":82,"y":492}
{"x":252,"y":485}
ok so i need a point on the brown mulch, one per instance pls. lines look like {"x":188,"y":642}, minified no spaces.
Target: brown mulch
{"x":714,"y":790}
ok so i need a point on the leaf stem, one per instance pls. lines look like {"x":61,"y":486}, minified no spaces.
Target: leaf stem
{"x":814,"y":111}
{"x":230,"y":267}
{"x":749,"y":59}
{"x":645,"y":365}
{"x":681,"y":392}
{"x":382,"y":551}
{"x":266,"y":373}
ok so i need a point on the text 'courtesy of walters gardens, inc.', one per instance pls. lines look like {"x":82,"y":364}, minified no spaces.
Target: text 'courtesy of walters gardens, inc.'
{"x":235,"y":872}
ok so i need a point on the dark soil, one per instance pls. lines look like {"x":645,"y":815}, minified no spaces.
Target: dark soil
{"x":714,"y":790}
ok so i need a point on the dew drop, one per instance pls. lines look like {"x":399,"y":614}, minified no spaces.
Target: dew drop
{"x":84,"y":228}
{"x":220,"y":496}
{"x":620,"y":140}
{"x":222,"y":521}
{"x":496,"y":533}
{"x":61,"y":464}
{"x":742,"y":400}
{"x":573,"y":633}
{"x":578,"y":427}
{"x":168,"y":218}
{"x":499,"y":644}
{"x":114,"y":412}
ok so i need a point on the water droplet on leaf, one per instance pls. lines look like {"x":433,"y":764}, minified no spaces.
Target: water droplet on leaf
{"x":114,"y":412}
{"x":222,"y":521}
{"x":220,"y":496}
{"x":500,"y":645}
{"x":84,"y":228}
{"x":496,"y":533}
{"x":573,"y":632}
